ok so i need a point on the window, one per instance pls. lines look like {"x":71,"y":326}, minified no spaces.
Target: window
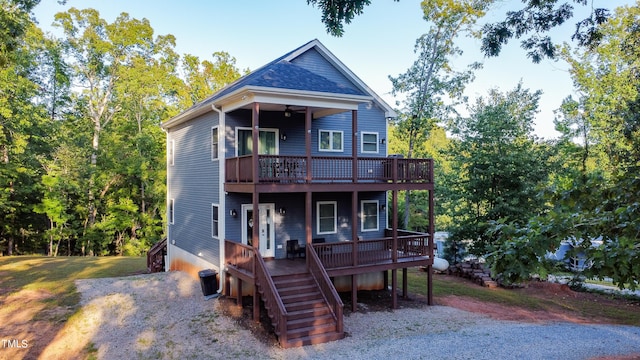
{"x":330,"y":140}
{"x":326,"y":217}
{"x":170,"y":211}
{"x":369,"y":210}
{"x":215,"y":221}
{"x":267,"y":144}
{"x":369,"y":142}
{"x":214,"y":143}
{"x":171,"y":147}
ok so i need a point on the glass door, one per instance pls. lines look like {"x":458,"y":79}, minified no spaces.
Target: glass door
{"x":266,"y":230}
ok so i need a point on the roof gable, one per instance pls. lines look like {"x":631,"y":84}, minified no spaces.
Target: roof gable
{"x":294,"y":71}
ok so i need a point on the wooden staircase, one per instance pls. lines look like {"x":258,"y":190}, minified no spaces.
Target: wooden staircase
{"x":309,"y":318}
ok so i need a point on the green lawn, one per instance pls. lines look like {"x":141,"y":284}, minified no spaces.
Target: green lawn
{"x":57,"y":274}
{"x":614,"y":309}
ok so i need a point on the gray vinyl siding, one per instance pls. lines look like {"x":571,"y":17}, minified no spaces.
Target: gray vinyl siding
{"x":316,"y":63}
{"x":291,"y":225}
{"x":369,"y":120}
{"x":193,"y":183}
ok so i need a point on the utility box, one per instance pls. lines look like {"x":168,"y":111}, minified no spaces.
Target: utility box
{"x":208,"y":282}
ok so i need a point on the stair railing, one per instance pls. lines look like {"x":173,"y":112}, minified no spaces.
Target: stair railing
{"x":326,"y":287}
{"x":272,"y":301}
{"x":155,"y":256}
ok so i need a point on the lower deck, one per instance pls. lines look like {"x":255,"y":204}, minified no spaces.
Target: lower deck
{"x":301,"y":292}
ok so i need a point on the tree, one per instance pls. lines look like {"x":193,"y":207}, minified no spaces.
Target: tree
{"x":23,"y":132}
{"x":201,"y":79}
{"x":536,"y":18}
{"x":498,"y":167}
{"x":599,"y":209}
{"x":337,"y":12}
{"x":15,"y":20}
{"x":431,"y":77}
{"x":101,"y":54}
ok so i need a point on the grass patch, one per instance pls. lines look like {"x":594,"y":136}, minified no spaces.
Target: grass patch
{"x":57,"y":275}
{"x":442,"y":287}
{"x":606,"y":307}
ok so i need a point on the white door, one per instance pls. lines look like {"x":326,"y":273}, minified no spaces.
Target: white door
{"x":266,"y":230}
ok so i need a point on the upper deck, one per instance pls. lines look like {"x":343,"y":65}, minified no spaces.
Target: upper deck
{"x":327,"y":173}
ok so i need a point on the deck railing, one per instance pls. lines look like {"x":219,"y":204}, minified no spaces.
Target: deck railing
{"x":239,"y":255}
{"x":294,"y":169}
{"x":326,"y":287}
{"x":340,"y":254}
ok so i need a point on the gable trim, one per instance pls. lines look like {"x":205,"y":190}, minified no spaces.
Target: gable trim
{"x":340,"y":66}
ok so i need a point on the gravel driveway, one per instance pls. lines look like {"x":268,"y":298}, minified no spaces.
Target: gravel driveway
{"x":165,"y":316}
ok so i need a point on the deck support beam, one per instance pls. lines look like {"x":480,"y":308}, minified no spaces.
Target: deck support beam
{"x":354,"y":292}
{"x":394,"y":289}
{"x":431,"y":252}
{"x":239,"y":292}
{"x":405,"y":291}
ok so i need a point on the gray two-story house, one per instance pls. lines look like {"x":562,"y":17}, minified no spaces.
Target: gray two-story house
{"x":279,"y":182}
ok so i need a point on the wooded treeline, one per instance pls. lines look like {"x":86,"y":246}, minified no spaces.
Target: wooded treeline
{"x":83,"y":155}
{"x":82,"y":166}
{"x":506,"y":195}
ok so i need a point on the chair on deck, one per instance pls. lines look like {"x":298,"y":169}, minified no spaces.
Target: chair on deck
{"x":293,"y":249}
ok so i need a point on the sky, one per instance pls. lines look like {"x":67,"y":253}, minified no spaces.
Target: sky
{"x":377,"y":44}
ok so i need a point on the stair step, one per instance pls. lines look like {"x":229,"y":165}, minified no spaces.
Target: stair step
{"x":301,"y":289}
{"x":295,"y":298}
{"x":311,"y":330}
{"x":314,"y":339}
{"x":310,"y":321}
{"x":283,"y":282}
{"x":308,"y":312}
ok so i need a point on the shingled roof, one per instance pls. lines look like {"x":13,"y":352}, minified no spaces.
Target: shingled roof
{"x":283,"y":74}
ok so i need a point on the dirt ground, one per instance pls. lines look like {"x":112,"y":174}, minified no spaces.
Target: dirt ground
{"x":23,"y":314}
{"x":28,"y":323}
{"x":374,"y":301}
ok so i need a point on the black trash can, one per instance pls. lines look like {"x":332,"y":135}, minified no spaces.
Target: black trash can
{"x":208,"y":282}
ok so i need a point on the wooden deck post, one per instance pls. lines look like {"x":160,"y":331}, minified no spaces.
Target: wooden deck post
{"x":307,"y":141}
{"x":239,"y":292}
{"x":255,"y":235}
{"x":354,"y":292}
{"x":394,"y":288}
{"x":354,"y":145}
{"x":354,"y":227}
{"x":405,"y":292}
{"x":307,"y":221}
{"x":431,"y":255}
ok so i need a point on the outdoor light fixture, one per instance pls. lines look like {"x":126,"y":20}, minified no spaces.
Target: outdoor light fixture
{"x":287,"y":112}
{"x":383,"y":207}
{"x":282,"y":211}
{"x":233,"y":212}
{"x":283,"y":136}
{"x":383,"y":141}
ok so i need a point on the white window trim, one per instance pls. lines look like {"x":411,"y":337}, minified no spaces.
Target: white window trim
{"x":215,"y":155}
{"x":335,"y":217}
{"x":362,"y":134}
{"x":172,"y":211}
{"x":212,"y":222}
{"x":275,"y":130}
{"x":172,"y":152}
{"x":362,"y":202}
{"x":331,"y":132}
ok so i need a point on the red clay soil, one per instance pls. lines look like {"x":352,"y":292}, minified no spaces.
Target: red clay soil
{"x":559,"y":303}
